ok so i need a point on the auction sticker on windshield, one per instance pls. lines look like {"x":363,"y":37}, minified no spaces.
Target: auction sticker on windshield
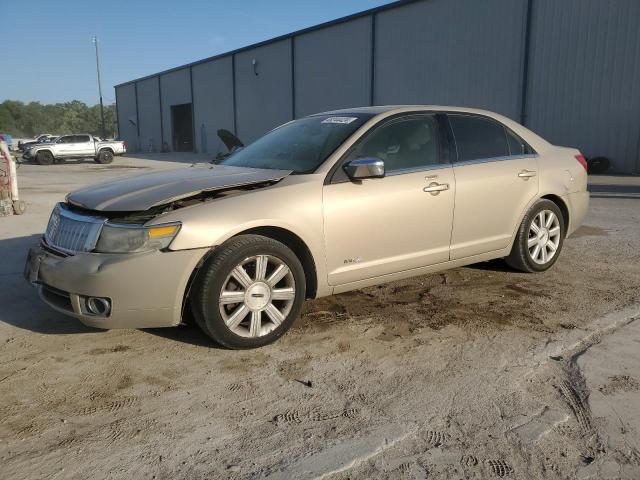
{"x":341,"y":120}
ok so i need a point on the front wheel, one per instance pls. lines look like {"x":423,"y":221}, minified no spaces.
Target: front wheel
{"x":249,"y":292}
{"x":44,"y":158}
{"x":539,"y":238}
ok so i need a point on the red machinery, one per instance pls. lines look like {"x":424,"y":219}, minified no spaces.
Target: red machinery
{"x":9,"y":201}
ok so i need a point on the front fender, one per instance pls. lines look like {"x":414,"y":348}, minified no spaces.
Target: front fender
{"x":35,"y":151}
{"x":294,"y":205}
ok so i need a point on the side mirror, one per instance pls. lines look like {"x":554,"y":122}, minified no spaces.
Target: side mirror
{"x":360,"y":168}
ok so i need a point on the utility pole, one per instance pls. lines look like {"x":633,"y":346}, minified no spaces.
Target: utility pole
{"x":95,"y":42}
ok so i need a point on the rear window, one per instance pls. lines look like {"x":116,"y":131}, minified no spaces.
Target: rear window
{"x":478,"y":138}
{"x":517,"y":146}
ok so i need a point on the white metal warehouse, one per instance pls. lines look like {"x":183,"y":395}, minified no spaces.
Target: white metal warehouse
{"x":569,"y":70}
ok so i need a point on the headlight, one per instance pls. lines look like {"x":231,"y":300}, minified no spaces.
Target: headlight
{"x":129,"y":239}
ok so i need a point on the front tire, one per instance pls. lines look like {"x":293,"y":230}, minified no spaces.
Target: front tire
{"x":539,"y":239}
{"x":44,"y":158}
{"x":249,"y":292}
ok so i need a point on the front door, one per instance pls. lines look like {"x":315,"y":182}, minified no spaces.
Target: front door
{"x":64,"y":145}
{"x":376,"y":227}
{"x":496,"y":178}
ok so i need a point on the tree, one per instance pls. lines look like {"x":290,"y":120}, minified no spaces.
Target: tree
{"x":20,"y":119}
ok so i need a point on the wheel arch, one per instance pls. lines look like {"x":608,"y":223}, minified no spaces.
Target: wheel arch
{"x":562,"y":206}
{"x":557,"y":199}
{"x":283,"y":235}
{"x":298,"y":246}
{"x":41,"y":150}
{"x":106,"y":148}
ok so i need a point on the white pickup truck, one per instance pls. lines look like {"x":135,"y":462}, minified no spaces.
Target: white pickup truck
{"x":76,"y":146}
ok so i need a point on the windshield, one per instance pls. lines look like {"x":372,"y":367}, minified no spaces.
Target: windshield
{"x":301,"y":145}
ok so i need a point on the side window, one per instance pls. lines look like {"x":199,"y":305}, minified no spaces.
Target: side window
{"x":67,"y":139}
{"x":517,"y":146}
{"x":81,"y":139}
{"x":478,"y":137}
{"x":403,"y":144}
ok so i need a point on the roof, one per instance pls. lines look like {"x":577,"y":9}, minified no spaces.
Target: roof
{"x":378,"y":109}
{"x":320,"y":26}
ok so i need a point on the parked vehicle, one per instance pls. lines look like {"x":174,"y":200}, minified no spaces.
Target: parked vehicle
{"x":8,"y":139}
{"x":39,"y":139}
{"x":321,"y":205}
{"x":75,"y":146}
{"x":27,"y":147}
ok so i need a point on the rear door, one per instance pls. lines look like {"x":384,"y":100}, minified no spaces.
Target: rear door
{"x":83,"y":146}
{"x":381,"y":226}
{"x":496,"y":178}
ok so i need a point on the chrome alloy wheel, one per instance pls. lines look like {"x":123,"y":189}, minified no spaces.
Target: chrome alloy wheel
{"x":544,"y":237}
{"x":257,"y":296}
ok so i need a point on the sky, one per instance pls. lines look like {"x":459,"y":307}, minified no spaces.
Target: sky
{"x":48,"y":55}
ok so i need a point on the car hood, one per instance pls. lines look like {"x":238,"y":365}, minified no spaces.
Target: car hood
{"x":139,"y":193}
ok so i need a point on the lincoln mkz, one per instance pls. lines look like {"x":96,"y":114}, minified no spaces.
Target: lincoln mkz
{"x":318,"y":206}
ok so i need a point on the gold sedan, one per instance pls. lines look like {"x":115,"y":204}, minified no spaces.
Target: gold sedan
{"x":321,"y":205}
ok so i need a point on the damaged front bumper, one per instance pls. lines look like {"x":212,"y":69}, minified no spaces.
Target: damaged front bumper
{"x":143,"y":290}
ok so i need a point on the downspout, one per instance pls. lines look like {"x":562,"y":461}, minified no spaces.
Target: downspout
{"x":135,"y":91}
{"x":373,"y":60}
{"x":193,"y":113}
{"x":161,"y":120}
{"x":525,"y":64}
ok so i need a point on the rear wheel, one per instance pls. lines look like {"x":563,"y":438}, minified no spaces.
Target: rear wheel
{"x":19,"y":207}
{"x":44,"y":158}
{"x":104,"y":156}
{"x":249,"y":292}
{"x":539,"y":238}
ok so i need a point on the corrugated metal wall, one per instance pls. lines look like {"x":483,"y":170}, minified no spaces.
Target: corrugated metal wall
{"x":333,"y":67}
{"x":263,"y":90}
{"x":128,"y":115}
{"x":213,"y":103}
{"x":451,"y":53}
{"x":584,"y":82}
{"x":582,"y":88}
{"x":149,"y":115}
{"x":175,"y":89}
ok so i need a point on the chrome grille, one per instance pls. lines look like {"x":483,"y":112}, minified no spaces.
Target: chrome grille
{"x":71,"y":232}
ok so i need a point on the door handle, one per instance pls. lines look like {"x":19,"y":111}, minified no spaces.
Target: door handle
{"x":435,"y":188}
{"x":526,"y":174}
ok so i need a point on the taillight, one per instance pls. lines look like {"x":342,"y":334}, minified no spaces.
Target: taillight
{"x":124,"y":144}
{"x":580,"y":158}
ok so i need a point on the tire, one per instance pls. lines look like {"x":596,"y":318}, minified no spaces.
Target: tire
{"x":104,"y":156}
{"x":19,"y":207}
{"x":44,"y":158}
{"x":250,"y":322}
{"x":598,"y":165}
{"x":524,"y":256}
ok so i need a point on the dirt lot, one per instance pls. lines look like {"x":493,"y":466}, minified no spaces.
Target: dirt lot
{"x":479,"y":372}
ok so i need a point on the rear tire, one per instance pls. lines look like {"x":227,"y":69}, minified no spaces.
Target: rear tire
{"x":249,"y":292}
{"x":104,"y":156}
{"x":44,"y":158}
{"x":19,"y":207}
{"x":539,"y":239}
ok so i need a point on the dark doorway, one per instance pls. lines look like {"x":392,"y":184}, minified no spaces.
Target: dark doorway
{"x":182,"y":126}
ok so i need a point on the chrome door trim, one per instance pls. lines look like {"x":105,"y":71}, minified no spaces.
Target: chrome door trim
{"x":495,"y":159}
{"x":424,"y":168}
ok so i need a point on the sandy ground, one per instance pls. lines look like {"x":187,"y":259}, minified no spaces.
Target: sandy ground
{"x":479,"y":372}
